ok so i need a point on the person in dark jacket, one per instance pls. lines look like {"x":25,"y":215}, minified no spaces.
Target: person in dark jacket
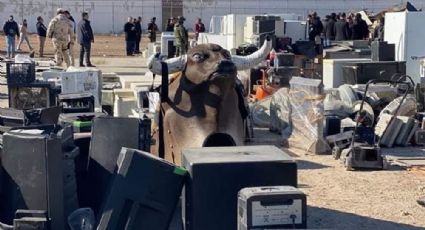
{"x":138,"y":25}
{"x":85,"y":38}
{"x":130,"y":36}
{"x":341,"y":28}
{"x":315,"y":26}
{"x":360,"y":29}
{"x":170,"y":25}
{"x":42,"y":33}
{"x":152,"y":29}
{"x":378,"y":33}
{"x":329,"y":30}
{"x":11,"y":30}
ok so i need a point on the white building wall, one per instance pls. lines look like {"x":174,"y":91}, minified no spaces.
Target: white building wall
{"x":110,"y":15}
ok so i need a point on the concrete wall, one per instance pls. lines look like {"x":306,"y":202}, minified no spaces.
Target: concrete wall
{"x":107,"y":16}
{"x":110,"y":15}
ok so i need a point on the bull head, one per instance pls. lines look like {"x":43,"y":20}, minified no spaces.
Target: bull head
{"x":210,"y":61}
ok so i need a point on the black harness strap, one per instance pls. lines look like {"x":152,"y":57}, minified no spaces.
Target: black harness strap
{"x":164,"y":98}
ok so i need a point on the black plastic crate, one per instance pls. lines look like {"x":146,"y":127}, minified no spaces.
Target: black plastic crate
{"x":20,"y":73}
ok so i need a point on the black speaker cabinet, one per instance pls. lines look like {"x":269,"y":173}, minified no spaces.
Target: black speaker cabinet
{"x":218,"y":173}
{"x":109,"y":135}
{"x":362,"y":72}
{"x":382,"y":51}
{"x":33,"y":177}
{"x":144,"y":193}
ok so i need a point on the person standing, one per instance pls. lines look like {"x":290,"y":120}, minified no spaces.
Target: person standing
{"x":378,"y":33}
{"x":180,"y":33}
{"x":152,"y":29}
{"x":170,"y":25}
{"x":71,"y":39}
{"x":24,"y":35}
{"x":130,"y":36}
{"x":315,"y":27}
{"x":85,"y":38}
{"x":199,"y":28}
{"x":360,"y":29}
{"x":138,"y":25}
{"x":60,"y":31}
{"x":341,"y":28}
{"x":41,"y":32}
{"x":10,"y":29}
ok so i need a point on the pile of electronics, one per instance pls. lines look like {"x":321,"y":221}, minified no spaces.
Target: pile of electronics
{"x":68,"y":165}
{"x":357,"y":107}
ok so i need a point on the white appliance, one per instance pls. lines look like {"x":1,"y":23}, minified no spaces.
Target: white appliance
{"x":295,"y":29}
{"x":83,"y":80}
{"x":167,"y":40}
{"x":231,"y":34}
{"x":251,"y":24}
{"x":215,"y":24}
{"x":332,"y":71}
{"x":405,"y":30}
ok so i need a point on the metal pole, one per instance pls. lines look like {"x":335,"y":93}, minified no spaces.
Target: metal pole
{"x":22,"y":10}
{"x":171,"y":5}
{"x":202,"y":8}
{"x":113,"y":17}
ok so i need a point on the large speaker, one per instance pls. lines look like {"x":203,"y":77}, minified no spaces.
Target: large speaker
{"x":362,"y":72}
{"x":33,"y":177}
{"x":144,"y":193}
{"x":218,"y":173}
{"x":109,"y":135}
{"x":382,"y":51}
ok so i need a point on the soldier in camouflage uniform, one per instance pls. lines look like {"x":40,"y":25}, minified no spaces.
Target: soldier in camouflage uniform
{"x":182,"y":40}
{"x":60,"y":31}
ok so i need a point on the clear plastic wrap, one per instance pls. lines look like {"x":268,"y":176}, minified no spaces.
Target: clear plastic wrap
{"x":280,"y":113}
{"x":307,"y":105}
{"x":82,"y":219}
{"x":260,"y":112}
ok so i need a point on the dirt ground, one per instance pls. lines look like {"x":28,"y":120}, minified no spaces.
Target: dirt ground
{"x":352,"y":200}
{"x":337,"y":199}
{"x":104,"y":46}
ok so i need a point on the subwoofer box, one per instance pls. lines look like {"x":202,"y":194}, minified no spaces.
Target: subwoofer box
{"x":109,"y":135}
{"x":144,"y":193}
{"x":217,"y":174}
{"x":33,"y":177}
{"x":362,"y":72}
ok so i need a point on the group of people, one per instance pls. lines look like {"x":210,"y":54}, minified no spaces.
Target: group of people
{"x":62,"y":30}
{"x":133,"y":34}
{"x":340,"y":27}
{"x":176,"y":25}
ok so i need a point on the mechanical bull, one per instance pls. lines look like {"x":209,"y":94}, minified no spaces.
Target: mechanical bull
{"x":204,"y":107}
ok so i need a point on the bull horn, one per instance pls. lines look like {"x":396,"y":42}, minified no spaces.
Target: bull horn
{"x":250,"y":61}
{"x":175,"y":65}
